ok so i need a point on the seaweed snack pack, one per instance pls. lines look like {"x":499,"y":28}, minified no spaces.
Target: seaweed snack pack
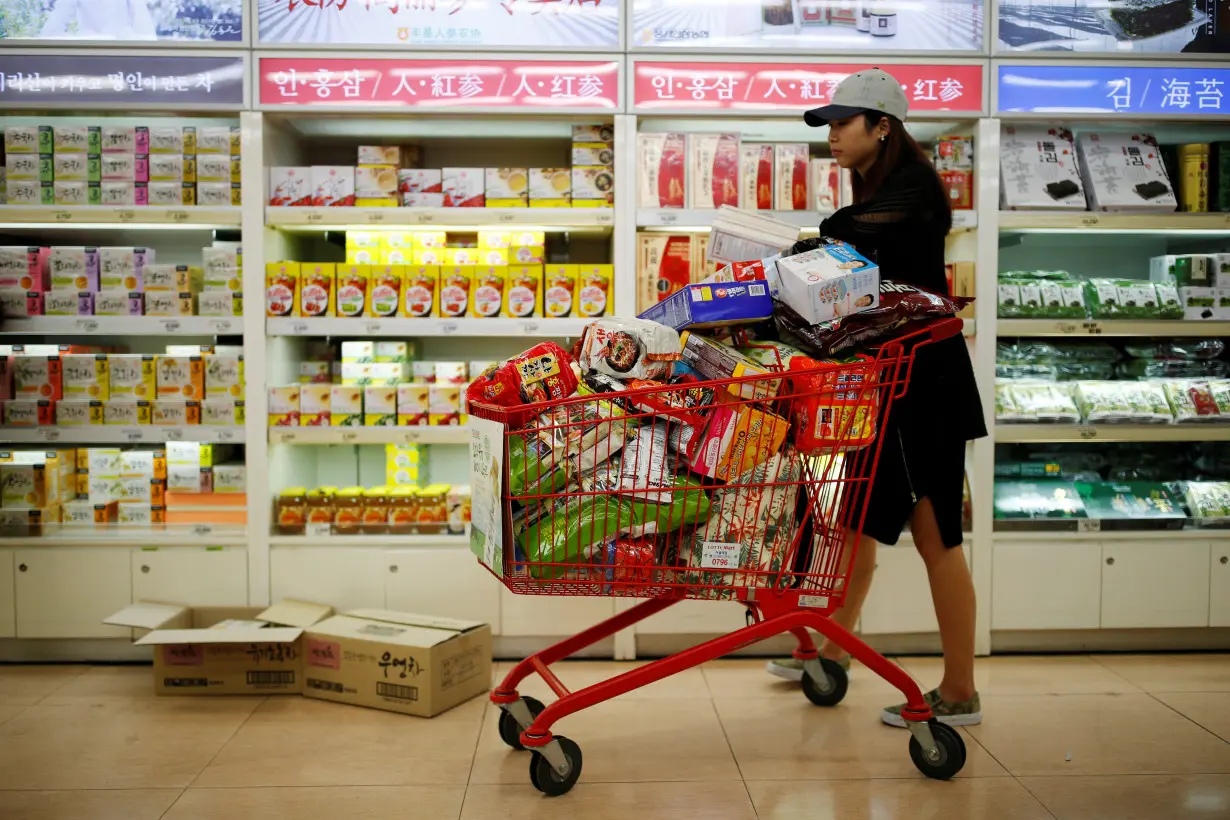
{"x":901,"y":309}
{"x":1040,"y":294}
{"x":542,"y":373}
{"x":1132,"y":299}
{"x":628,"y":349}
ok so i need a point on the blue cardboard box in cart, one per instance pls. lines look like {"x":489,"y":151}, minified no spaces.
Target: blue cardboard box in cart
{"x":714,"y":304}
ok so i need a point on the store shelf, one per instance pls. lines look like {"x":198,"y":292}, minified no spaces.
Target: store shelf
{"x":1161,"y":536}
{"x":530,"y":328}
{"x":439,"y":218}
{"x":1109,"y":433}
{"x":124,"y":325}
{"x":702,"y":219}
{"x":98,"y":216}
{"x":143,"y":434}
{"x":1057,"y":222}
{"x":369,"y":435}
{"x":1110,"y":327}
{"x":201,"y":535}
{"x":400,"y":541}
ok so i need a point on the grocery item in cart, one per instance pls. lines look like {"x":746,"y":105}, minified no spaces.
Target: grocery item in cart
{"x":831,"y":281}
{"x":627,"y":563}
{"x":685,"y":506}
{"x":585,"y":434}
{"x":568,"y":529}
{"x":835,"y":408}
{"x":628,"y":348}
{"x":737,"y":438}
{"x":543,"y":372}
{"x":902,"y":308}
{"x":714,"y":360}
{"x":711,"y":305}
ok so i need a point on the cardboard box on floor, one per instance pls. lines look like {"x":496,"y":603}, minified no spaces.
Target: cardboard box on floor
{"x":224,"y":650}
{"x":397,"y":661}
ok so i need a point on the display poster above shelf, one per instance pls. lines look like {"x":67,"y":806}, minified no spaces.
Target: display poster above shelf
{"x":776,"y":88}
{"x":448,"y":85}
{"x":585,"y":25}
{"x":128,"y":23}
{"x":1121,"y":29}
{"x":815,"y":25}
{"x":133,"y":80}
{"x":1122,"y":90}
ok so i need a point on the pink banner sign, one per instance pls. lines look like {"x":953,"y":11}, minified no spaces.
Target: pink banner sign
{"x":442,"y":84}
{"x":777,"y":86}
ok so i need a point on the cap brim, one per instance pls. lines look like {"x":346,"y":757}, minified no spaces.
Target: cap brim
{"x":827,"y":113}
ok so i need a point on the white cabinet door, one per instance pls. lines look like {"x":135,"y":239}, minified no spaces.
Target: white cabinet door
{"x":550,"y":615}
{"x":8,"y":594}
{"x":1046,"y":585}
{"x":695,"y":618}
{"x":1219,"y":584}
{"x":66,"y":593}
{"x":900,"y":596}
{"x":345,"y":578}
{"x":192,"y":576}
{"x":1155,"y":583}
{"x":445,"y":582}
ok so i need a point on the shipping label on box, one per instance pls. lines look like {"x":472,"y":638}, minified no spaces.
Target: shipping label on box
{"x":661,"y":174}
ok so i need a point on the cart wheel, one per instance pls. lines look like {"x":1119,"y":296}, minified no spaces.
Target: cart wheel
{"x":510,"y":730}
{"x":950,"y":748}
{"x":832,"y":693}
{"x":546,"y":779}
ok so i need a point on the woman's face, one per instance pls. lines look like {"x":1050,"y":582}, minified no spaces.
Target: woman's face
{"x":853,"y":146}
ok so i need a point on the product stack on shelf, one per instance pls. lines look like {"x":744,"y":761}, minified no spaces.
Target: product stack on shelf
{"x":391,"y":176}
{"x":118,"y":281}
{"x":82,"y":385}
{"x":122,"y":166}
{"x":390,"y":509}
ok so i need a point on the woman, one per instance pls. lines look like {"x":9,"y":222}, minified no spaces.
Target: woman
{"x":900,"y":219}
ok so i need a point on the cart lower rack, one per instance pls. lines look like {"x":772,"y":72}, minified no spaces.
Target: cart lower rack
{"x":749,"y":490}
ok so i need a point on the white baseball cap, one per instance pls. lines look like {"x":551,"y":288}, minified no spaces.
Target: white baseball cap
{"x":867,"y":90}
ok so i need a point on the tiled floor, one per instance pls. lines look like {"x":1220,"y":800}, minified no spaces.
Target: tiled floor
{"x":1074,"y":738}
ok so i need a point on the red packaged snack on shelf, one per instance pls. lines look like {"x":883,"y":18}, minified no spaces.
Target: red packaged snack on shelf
{"x":543,"y":372}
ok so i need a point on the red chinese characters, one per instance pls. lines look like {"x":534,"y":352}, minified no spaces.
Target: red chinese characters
{"x":777,"y":86}
{"x":439,"y":83}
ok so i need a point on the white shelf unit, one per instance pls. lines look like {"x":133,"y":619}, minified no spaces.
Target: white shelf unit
{"x":693,"y":220}
{"x":418,"y":328}
{"x":125,"y":326}
{"x":99,"y":217}
{"x":1052,"y":583}
{"x":439,"y":219}
{"x":140,"y":434}
{"x":423,"y":434}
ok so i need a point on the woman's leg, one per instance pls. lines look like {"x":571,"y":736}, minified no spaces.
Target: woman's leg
{"x":952,"y":592}
{"x":861,"y":573}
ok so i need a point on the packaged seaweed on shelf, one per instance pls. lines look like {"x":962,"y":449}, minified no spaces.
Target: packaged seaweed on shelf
{"x":1172,"y":369}
{"x":1103,"y":402}
{"x":1122,"y":299}
{"x":1044,"y":372}
{"x":1006,"y":409}
{"x":1045,"y":402}
{"x":1149,"y":403}
{"x":1208,"y":502}
{"x":1132,"y":505}
{"x":1038,"y":500}
{"x":1190,"y":350}
{"x":1191,"y":401}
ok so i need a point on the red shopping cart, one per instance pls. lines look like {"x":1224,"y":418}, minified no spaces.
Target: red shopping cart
{"x":747,"y":489}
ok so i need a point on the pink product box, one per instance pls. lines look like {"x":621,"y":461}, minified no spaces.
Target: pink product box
{"x":68,"y":303}
{"x":17,"y":303}
{"x":333,"y":185}
{"x":464,"y":187}
{"x":422,"y":200}
{"x":420,"y":181}
{"x":24,"y":267}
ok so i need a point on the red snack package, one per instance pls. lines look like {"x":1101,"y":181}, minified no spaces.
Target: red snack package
{"x":626,"y":562}
{"x":834,"y":408}
{"x":542,"y":373}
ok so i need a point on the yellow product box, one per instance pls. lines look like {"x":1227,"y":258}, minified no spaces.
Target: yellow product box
{"x":160,"y":303}
{"x":363,"y":247}
{"x":492,"y":256}
{"x":444,"y":405}
{"x":346,"y":406}
{"x":28,"y":486}
{"x":105,"y":462}
{"x":384,"y":290}
{"x":195,"y":454}
{"x":412,"y":403}
{"x":358,"y":352}
{"x":461,"y":256}
{"x":317,"y":289}
{"x":594,"y":296}
{"x":223,"y":412}
{"x":379,"y":406}
{"x":282,"y":289}
{"x":353,"y":282}
{"x":396,"y":256}
{"x":593,"y":186}
{"x":126,"y":411}
{"x":83,"y":513}
{"x":559,"y":290}
{"x":180,"y":377}
{"x":135,"y":514}
{"x":507,"y":187}
{"x":490,"y":283}
{"x":32,"y":523}
{"x":315,"y":405}
{"x":550,"y":187}
{"x":430,"y":239}
{"x":420,"y":291}
{"x":284,"y":405}
{"x":523,"y":293}
{"x":392,"y":352}
{"x":139,"y":464}
{"x":377,"y":202}
{"x":456,"y":285}
{"x":495,"y":240}
{"x":397,"y":240}
{"x":521,"y":236}
{"x":131,"y":375}
{"x":173,"y":278}
{"x":375,"y":182}
{"x":78,"y":412}
{"x":219,"y":303}
{"x":526,"y":254}
{"x":175,"y":412}
{"x":83,"y":484}
{"x":224,"y":376}
{"x":85,"y":376}
{"x":428,"y":256}
{"x":138,"y":490}
{"x":230,"y":479}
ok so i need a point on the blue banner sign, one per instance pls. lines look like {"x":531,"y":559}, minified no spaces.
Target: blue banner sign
{"x":1129,"y":90}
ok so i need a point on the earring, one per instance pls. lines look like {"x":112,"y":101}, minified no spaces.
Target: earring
{"x":884,"y":138}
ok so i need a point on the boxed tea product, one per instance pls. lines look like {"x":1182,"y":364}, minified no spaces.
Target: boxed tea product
{"x":333,"y":185}
{"x":507,"y":187}
{"x":756,"y":176}
{"x":550,"y":187}
{"x":790,"y":176}
{"x":713,"y":170}
{"x":661,"y":175}
{"x":464,"y":187}
{"x":290,"y":186}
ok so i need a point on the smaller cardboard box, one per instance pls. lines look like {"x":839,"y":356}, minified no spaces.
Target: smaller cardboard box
{"x":397,"y":661}
{"x":224,"y":650}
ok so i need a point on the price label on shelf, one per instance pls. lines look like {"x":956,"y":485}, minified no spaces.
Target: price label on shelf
{"x":178,"y":216}
{"x":667,"y":219}
{"x":375,"y":216}
{"x":226,"y":435}
{"x":1088,"y":431}
{"x":133,"y":434}
{"x":1092,"y":328}
{"x":171,"y":325}
{"x":373,"y":327}
{"x":284,"y":437}
{"x":221,"y":325}
{"x":1089,"y":525}
{"x":349,"y":437}
{"x":315,"y":216}
{"x":719,"y":555}
{"x":505,"y":218}
{"x":316,"y":529}
{"x":605,"y":218}
{"x":175,"y":434}
{"x":86,"y":325}
{"x":448,"y":328}
{"x":62,"y":216}
{"x":298,"y":328}
{"x":126,"y":215}
{"x":529,"y":328}
{"x":49,"y":434}
{"x":202,"y":529}
{"x":426,"y":218}
{"x":1090,"y":221}
{"x":410,"y":437}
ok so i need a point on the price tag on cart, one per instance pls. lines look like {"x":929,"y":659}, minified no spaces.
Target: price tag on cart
{"x":719,"y":555}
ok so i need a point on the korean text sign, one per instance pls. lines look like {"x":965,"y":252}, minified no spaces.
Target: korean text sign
{"x":776,"y":86}
{"x":528,"y":24}
{"x":1060,"y":89}
{"x":444,"y":84}
{"x":97,"y":79}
